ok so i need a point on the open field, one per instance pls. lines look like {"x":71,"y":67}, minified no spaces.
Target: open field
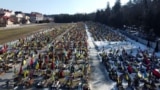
{"x":16,"y":33}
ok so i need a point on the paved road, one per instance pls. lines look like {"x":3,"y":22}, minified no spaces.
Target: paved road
{"x":21,"y":26}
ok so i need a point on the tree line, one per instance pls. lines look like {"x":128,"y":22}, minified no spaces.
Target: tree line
{"x":142,"y":14}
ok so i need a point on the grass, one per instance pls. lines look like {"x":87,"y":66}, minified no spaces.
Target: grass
{"x":16,"y":33}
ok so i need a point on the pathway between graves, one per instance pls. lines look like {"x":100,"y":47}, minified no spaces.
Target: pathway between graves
{"x":99,"y":77}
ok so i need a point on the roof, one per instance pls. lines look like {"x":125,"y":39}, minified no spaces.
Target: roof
{"x":18,"y":12}
{"x":5,"y":17}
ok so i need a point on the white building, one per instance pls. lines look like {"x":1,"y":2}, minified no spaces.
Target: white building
{"x":28,"y":19}
{"x":20,"y":16}
{"x":6,"y":16}
{"x":36,"y":17}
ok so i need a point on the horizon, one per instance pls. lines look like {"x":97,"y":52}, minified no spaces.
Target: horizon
{"x":59,"y":6}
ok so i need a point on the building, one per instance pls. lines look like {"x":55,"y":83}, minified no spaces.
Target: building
{"x":36,"y":17}
{"x":27,"y":19}
{"x":6,"y":17}
{"x":20,"y":17}
{"x":2,"y":19}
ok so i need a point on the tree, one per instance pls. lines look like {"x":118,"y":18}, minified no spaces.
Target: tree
{"x":156,"y":48}
{"x":23,"y":20}
{"x":107,"y":14}
{"x":148,"y":44}
{"x":117,"y":6}
{"x":14,"y":19}
{"x":116,"y":17}
{"x":97,"y":17}
{"x":3,"y":22}
{"x":140,"y":13}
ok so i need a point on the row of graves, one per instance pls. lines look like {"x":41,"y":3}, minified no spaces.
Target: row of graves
{"x":64,"y":65}
{"x":138,"y":71}
{"x":24,"y":49}
{"x":102,"y":33}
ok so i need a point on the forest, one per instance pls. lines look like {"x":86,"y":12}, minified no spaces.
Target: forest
{"x":141,"y":15}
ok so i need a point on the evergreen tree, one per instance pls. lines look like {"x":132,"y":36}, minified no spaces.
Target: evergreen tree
{"x":156,"y":48}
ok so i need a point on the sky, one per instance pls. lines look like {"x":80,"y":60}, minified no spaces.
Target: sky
{"x":56,"y":6}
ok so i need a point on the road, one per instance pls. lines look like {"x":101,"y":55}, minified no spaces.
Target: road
{"x":20,"y":26}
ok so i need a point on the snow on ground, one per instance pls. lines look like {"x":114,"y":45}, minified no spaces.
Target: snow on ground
{"x":107,"y":46}
{"x":127,"y":45}
{"x":99,"y":75}
{"x":142,"y":46}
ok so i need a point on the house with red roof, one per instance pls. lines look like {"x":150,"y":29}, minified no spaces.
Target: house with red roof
{"x":7,"y":17}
